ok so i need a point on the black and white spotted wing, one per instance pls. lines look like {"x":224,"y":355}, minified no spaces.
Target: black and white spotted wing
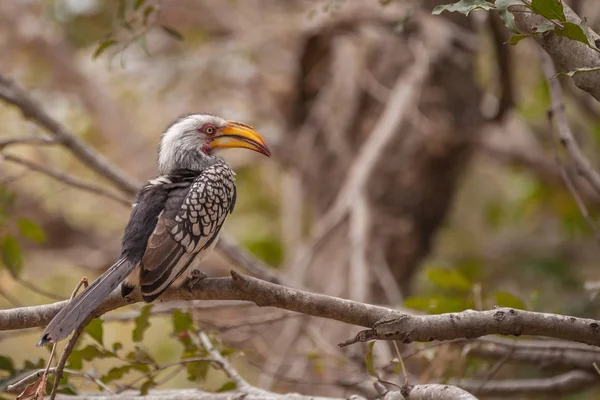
{"x":188,"y":226}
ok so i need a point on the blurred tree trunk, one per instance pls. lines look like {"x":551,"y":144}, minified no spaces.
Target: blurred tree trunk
{"x":346,"y":70}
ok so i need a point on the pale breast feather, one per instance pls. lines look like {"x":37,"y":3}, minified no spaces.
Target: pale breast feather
{"x":204,"y":209}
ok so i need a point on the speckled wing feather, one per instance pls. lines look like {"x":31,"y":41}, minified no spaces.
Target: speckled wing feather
{"x":188,"y":226}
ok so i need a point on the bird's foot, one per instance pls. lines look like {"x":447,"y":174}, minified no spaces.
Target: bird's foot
{"x":127,"y":291}
{"x":195,"y":276}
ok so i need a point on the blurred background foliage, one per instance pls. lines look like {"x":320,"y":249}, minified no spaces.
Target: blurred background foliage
{"x":117,"y":73}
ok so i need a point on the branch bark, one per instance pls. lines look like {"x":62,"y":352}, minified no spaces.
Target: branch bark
{"x":567,"y":53}
{"x":543,"y":353}
{"x":385,"y":323}
{"x":559,"y":384}
{"x":472,"y":324}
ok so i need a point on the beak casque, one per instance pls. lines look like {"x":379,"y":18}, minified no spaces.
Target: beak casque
{"x":237,"y":134}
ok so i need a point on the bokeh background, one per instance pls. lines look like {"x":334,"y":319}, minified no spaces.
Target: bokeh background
{"x":466,"y":206}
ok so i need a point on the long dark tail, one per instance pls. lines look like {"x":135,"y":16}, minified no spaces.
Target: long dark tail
{"x":77,"y":310}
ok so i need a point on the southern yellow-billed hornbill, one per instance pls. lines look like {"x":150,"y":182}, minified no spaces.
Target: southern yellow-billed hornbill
{"x":176,"y":219}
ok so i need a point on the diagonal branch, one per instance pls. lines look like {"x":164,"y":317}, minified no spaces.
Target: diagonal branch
{"x":567,"y":140}
{"x":32,"y":110}
{"x":64,"y":178}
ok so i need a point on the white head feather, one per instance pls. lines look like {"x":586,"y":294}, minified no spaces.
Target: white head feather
{"x":182,"y":144}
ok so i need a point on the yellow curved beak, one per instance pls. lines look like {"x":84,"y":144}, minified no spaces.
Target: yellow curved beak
{"x":237,"y":134}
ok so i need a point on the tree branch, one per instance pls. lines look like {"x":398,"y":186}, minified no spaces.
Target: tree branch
{"x":32,"y":110}
{"x":544,"y":353}
{"x":559,"y":384}
{"x":473,"y":324}
{"x":64,"y":178}
{"x":563,"y":129}
{"x":424,"y":392}
{"x":385,"y":323}
{"x":567,"y":53}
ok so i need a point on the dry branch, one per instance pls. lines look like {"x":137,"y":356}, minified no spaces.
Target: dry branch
{"x":473,"y":324}
{"x":64,"y":178}
{"x":385,"y":323}
{"x":559,"y":384}
{"x":543,"y":353}
{"x":32,"y":110}
{"x":563,"y":129}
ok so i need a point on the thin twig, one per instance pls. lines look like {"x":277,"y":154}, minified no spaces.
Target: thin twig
{"x":11,"y":299}
{"x":161,"y":368}
{"x":499,"y":364}
{"x":565,"y":137}
{"x":21,"y":384}
{"x":58,"y":374}
{"x":401,"y":102}
{"x":31,"y":109}
{"x":567,"y":140}
{"x":64,"y":178}
{"x":34,"y":140}
{"x":71,"y":344}
{"x":37,"y":289}
{"x":225,"y":366}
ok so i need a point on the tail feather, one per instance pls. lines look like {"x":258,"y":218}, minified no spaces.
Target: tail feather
{"x":77,"y":310}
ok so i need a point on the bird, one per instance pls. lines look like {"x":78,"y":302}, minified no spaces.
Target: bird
{"x":176,"y":218}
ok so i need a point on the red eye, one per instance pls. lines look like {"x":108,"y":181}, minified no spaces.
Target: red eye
{"x":209,"y":129}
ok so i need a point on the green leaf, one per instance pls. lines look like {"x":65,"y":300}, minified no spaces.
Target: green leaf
{"x":545,"y":27}
{"x":103,"y":46}
{"x":140,"y":356}
{"x":197,"y":371}
{"x":464,"y":7}
{"x":142,"y":322}
{"x":65,"y":388}
{"x":88,"y":353}
{"x":174,"y":33}
{"x":31,"y":230}
{"x":573,"y":32}
{"x":549,"y":9}
{"x":182,"y":321}
{"x":138,"y":4}
{"x":6,"y":364}
{"x":505,"y":299}
{"x":438,"y":304}
{"x":578,"y":70}
{"x":119,"y":372}
{"x":514,"y":39}
{"x":95,"y":330}
{"x":370,"y":362}
{"x":448,"y":279}
{"x":148,"y":11}
{"x":116,"y":346}
{"x":506,"y":15}
{"x":227,"y":386}
{"x":29,"y":365}
{"x":417,"y":303}
{"x":11,"y":255}
{"x":144,"y":45}
{"x":146,"y":387}
{"x":121,"y":8}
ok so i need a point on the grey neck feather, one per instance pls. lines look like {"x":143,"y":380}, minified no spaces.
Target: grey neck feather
{"x":184,"y":153}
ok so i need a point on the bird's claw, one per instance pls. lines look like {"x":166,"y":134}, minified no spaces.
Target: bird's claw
{"x":195,"y":276}
{"x":127,"y":292}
